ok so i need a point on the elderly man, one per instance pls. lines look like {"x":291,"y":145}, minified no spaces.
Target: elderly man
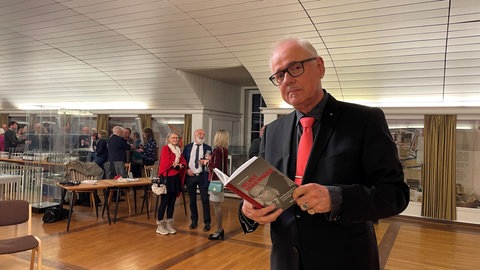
{"x":117,"y":146}
{"x":345,"y":162}
{"x":197,"y":176}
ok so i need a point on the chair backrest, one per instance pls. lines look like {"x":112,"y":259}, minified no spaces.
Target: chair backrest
{"x":127,"y":167}
{"x":149,"y":169}
{"x":77,"y":176}
{"x":15,"y":212}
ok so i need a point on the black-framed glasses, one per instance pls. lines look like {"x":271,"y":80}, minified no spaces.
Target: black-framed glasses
{"x":295,"y":69}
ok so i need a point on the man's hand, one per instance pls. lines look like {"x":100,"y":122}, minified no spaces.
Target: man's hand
{"x":313,"y":198}
{"x":263,"y":215}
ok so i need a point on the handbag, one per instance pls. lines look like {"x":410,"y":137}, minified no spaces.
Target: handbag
{"x":54,"y":214}
{"x":215,"y":186}
{"x":159,"y":186}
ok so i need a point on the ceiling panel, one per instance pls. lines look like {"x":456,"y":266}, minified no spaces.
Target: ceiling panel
{"x":386,"y":53}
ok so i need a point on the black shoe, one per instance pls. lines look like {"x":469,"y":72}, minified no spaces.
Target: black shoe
{"x":193,"y":225}
{"x":217,"y":236}
{"x":206,"y":228}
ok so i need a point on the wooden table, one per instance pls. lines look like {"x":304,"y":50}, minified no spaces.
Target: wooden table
{"x":118,"y":185}
{"x":101,"y":184}
{"x":106,"y":185}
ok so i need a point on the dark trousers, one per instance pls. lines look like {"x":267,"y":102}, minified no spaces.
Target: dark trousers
{"x":167,"y":202}
{"x":192,"y":183}
{"x":136,"y":170}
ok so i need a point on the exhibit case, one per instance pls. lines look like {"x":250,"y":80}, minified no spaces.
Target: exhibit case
{"x":51,"y":138}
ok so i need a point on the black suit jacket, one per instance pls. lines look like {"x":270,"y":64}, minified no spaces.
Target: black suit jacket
{"x":354,"y":151}
{"x":186,"y":154}
{"x":11,"y":140}
{"x":117,"y":148}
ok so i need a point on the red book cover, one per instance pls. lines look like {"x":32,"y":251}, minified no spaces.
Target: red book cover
{"x":258,"y":182}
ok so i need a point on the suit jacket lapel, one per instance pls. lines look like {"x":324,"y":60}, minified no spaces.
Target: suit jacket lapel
{"x":288,"y":124}
{"x":329,"y":119}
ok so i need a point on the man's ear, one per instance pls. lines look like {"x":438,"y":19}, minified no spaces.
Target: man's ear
{"x":321,"y":66}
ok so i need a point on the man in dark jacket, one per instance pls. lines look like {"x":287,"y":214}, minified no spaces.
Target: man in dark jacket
{"x":352,"y":176}
{"x":197,"y":176}
{"x":11,"y":140}
{"x":117,"y":147}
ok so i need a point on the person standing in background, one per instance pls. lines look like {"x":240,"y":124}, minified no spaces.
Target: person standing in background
{"x":195,"y":154}
{"x":35,"y":136}
{"x":254,"y":149}
{"x":84,"y":140}
{"x":219,"y":160}
{"x":172,"y":165}
{"x":117,"y":147}
{"x":2,"y":139}
{"x":136,"y":157}
{"x":11,"y":140}
{"x":101,"y":151}
{"x":350,"y":176}
{"x":149,"y":152}
{"x":94,"y":139}
{"x":127,"y":132}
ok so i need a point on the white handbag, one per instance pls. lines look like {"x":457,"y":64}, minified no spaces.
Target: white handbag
{"x":159,"y":186}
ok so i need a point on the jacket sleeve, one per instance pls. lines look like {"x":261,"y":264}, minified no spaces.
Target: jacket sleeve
{"x":165,"y":160}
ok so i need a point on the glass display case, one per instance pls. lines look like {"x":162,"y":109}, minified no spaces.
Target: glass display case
{"x":51,"y":139}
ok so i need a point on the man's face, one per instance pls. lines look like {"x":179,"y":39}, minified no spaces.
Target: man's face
{"x":199,"y":136}
{"x":304,"y":91}
{"x":126,"y":134}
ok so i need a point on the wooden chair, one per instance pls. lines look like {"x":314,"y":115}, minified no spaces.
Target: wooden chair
{"x":128,"y":167}
{"x":13,"y":213}
{"x":150,"y":170}
{"x":77,"y":176}
{"x":127,"y":192}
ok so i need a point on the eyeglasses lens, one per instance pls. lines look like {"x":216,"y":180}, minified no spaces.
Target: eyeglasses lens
{"x":294,"y":71}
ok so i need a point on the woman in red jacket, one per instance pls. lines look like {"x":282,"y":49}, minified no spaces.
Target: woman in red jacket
{"x":172,"y":165}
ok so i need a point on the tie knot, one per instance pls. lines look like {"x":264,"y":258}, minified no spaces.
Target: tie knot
{"x":307,"y":122}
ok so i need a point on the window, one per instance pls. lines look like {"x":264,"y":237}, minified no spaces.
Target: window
{"x":257,"y":116}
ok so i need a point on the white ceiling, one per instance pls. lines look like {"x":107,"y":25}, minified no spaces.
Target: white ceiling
{"x":82,"y":53}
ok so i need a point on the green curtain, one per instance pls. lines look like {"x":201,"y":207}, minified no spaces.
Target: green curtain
{"x":438,"y":175}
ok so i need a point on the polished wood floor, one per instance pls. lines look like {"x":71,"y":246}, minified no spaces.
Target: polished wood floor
{"x":131,"y":243}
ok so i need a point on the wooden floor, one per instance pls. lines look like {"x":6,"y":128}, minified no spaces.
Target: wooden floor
{"x":131,"y":243}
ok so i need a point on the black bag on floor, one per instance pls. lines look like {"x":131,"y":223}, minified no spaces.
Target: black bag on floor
{"x":53,"y":214}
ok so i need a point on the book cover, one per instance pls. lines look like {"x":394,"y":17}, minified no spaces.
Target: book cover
{"x":258,"y":182}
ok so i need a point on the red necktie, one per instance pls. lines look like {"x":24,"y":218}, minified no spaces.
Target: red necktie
{"x":304,"y":147}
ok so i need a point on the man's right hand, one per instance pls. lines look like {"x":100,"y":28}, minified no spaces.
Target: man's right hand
{"x":263,"y":215}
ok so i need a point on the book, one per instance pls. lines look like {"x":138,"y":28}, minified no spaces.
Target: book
{"x":259,"y":183}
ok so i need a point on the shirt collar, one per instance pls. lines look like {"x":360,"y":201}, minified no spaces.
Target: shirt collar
{"x":317,"y":111}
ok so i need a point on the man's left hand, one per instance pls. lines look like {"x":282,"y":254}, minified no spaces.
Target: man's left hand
{"x":313,"y":198}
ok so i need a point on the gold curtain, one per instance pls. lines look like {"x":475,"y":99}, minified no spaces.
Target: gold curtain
{"x":102,"y":122}
{"x":439,"y":167}
{"x":4,"y":119}
{"x":145,"y":120}
{"x":187,"y":129}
